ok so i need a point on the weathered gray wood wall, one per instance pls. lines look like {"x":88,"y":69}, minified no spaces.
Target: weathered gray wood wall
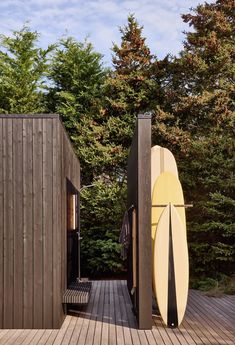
{"x":139,"y":195}
{"x":36,"y":157}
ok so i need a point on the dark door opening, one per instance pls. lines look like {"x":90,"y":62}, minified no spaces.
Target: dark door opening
{"x":72,"y":234}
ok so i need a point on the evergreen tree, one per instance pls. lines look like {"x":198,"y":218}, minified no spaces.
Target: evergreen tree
{"x":131,"y":85}
{"x":23,"y":70}
{"x":127,"y":91}
{"x":197,"y":119}
{"x":78,"y":76}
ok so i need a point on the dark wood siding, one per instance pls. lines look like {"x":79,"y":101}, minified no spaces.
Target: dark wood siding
{"x":18,"y":221}
{"x":38,"y":222}
{"x":139,"y":195}
{"x":1,"y":226}
{"x":36,"y":159}
{"x":8,"y":226}
{"x":27,"y":222}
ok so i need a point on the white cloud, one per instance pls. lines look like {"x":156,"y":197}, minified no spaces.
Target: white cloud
{"x":100,"y":20}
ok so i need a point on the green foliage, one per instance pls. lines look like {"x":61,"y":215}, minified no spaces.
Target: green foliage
{"x":215,"y":287}
{"x":191,"y":99}
{"x":206,"y":284}
{"x":103,"y":142}
{"x":131,"y":88}
{"x":23,"y":68}
{"x":102,"y":207}
{"x":102,"y":257}
{"x":77,"y":75}
{"x":78,"y":78}
{"x":98,"y":147}
{"x":196,"y":120}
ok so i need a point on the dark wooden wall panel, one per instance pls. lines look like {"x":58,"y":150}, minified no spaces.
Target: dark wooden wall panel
{"x":60,"y":230}
{"x":58,"y":314}
{"x":38,"y":223}
{"x":28,"y":221}
{"x":47,"y":223}
{"x":132,"y":199}
{"x":36,"y":159}
{"x":63,"y":216}
{"x":144,"y":220}
{"x":1,"y":223}
{"x":8,"y":224}
{"x":71,"y":171}
{"x":139,"y":195}
{"x":55,"y":215}
{"x":18,"y":222}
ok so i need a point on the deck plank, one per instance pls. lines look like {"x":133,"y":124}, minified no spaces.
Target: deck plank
{"x":213,"y":321}
{"x":45,"y":337}
{"x":31,"y":336}
{"x":13,"y":339}
{"x":88,"y":337}
{"x":98,"y":326}
{"x":52,"y":337}
{"x":7,"y":335}
{"x":118,"y":316}
{"x":198,"y":327}
{"x":108,"y":320}
{"x":218,"y":308}
{"x":3,"y":332}
{"x":215,"y":334}
{"x":132,"y":322}
{"x":22,"y":336}
{"x":112,"y":328}
{"x":125,"y":323}
{"x":106,"y":316}
{"x":156,"y":335}
{"x":60,"y":336}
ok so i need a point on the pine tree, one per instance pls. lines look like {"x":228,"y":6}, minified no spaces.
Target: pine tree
{"x":77,"y":75}
{"x":130,"y":86}
{"x":127,"y":91}
{"x":199,"y":105}
{"x":23,"y":71}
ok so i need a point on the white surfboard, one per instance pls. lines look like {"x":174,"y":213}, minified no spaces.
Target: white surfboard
{"x":161,"y":160}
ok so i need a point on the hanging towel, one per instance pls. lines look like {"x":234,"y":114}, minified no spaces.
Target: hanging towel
{"x":125,"y":236}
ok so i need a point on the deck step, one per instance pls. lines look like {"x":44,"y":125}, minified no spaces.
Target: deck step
{"x":78,"y":293}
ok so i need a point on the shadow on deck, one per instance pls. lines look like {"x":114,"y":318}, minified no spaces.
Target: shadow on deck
{"x":108,"y":319}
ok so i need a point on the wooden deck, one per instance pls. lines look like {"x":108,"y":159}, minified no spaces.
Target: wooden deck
{"x":108,"y":319}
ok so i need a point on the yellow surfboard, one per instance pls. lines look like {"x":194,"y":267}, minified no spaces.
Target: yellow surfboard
{"x":171,"y":267}
{"x":161,"y":160}
{"x":167,"y":188}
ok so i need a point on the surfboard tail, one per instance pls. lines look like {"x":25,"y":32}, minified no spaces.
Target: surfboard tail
{"x":171,"y":272}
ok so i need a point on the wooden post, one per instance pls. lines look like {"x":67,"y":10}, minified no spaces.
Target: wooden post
{"x":139,"y":195}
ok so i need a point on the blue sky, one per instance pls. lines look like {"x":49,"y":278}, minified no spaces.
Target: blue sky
{"x":100,"y":21}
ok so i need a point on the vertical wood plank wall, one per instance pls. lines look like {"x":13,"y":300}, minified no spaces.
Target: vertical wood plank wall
{"x":36,"y":159}
{"x":139,"y":195}
{"x":1,"y":227}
